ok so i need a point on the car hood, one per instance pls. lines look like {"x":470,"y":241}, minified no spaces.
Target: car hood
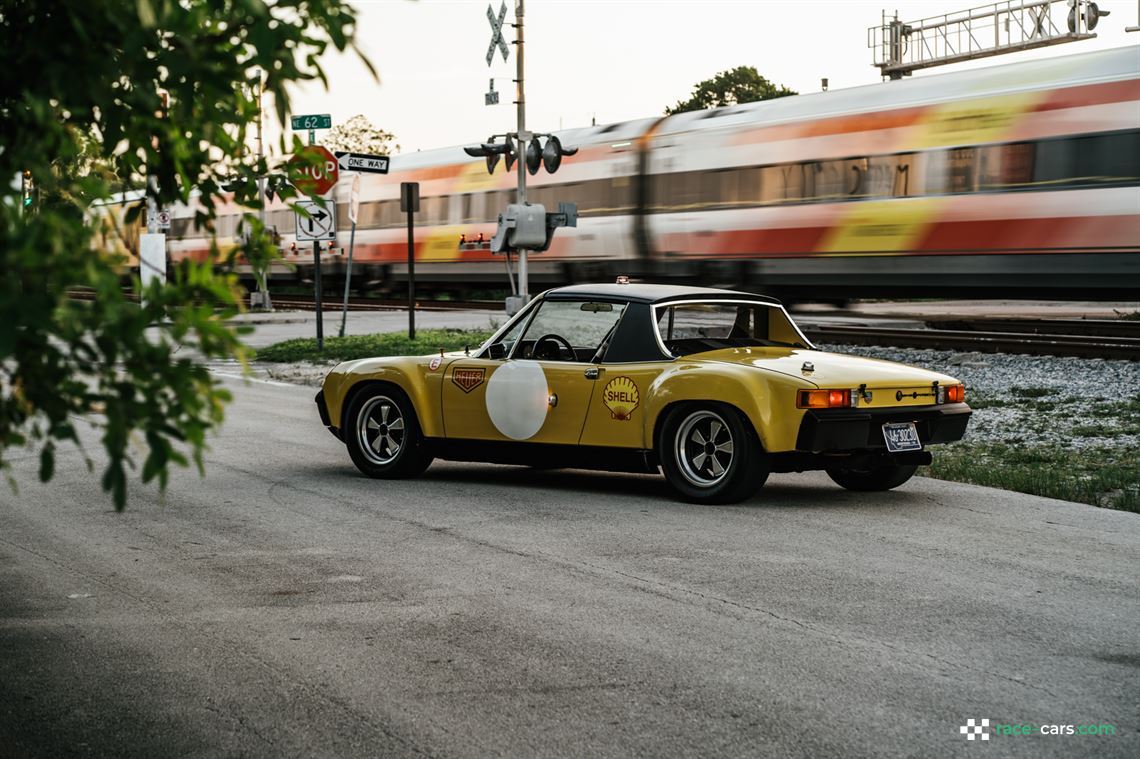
{"x":830,"y":370}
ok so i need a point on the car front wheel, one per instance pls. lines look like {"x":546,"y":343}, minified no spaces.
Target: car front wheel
{"x":383,"y":434}
{"x":874,"y":478}
{"x":710,"y":454}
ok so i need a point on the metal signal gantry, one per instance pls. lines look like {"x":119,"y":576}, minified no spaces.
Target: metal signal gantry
{"x":1006,"y":27}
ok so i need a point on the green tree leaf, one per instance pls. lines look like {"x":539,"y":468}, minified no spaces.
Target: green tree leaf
{"x":99,"y":98}
{"x":742,"y":84}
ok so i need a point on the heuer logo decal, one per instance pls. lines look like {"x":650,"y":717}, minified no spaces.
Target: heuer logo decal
{"x":620,"y":396}
{"x":468,"y":379}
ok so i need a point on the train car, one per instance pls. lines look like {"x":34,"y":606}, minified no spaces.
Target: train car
{"x":1007,"y":181}
{"x":114,"y":236}
{"x":1018,"y":180}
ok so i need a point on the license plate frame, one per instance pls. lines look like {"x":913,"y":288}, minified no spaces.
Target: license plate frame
{"x":901,"y":437}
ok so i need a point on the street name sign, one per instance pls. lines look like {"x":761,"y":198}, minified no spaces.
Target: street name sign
{"x":312,"y":121}
{"x":313,"y":170}
{"x":317,"y":223}
{"x":370,"y":164}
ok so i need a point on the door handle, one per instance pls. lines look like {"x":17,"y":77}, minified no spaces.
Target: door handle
{"x":592,"y":373}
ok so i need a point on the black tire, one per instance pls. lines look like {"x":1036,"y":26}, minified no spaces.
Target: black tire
{"x":876,"y":478}
{"x":382,"y":434}
{"x":710,"y":453}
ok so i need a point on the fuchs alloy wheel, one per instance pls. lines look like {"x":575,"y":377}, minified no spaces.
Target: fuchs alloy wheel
{"x":383,"y":434}
{"x":710,"y":454}
{"x":875,"y":478}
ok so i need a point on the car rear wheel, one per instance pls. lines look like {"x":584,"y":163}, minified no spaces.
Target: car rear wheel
{"x":383,"y":435}
{"x":874,"y":478}
{"x":710,"y":454}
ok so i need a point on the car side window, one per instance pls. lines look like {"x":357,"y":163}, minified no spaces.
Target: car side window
{"x":502,"y":347}
{"x":569,"y":331}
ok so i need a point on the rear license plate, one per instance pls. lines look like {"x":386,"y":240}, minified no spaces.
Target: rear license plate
{"x":901,"y":436}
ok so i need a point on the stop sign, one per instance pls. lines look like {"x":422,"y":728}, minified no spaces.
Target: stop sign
{"x":313,"y":170}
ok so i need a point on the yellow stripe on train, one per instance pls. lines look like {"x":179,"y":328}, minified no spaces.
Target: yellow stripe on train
{"x":974,"y":122}
{"x":881,"y":226}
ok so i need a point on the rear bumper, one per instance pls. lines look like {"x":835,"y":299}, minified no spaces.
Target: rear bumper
{"x":323,"y":410}
{"x":827,"y":430}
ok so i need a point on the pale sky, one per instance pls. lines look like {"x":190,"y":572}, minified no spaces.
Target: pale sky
{"x":613,"y":61}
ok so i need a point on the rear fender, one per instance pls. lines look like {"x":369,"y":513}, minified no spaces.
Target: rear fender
{"x":744,"y":388}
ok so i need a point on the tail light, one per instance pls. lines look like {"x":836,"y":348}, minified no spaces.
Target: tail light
{"x":955,"y":393}
{"x":824,"y":399}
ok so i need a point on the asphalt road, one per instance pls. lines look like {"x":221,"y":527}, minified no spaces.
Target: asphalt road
{"x":286,"y":606}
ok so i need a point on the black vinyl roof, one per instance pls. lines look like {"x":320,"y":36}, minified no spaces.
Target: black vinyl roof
{"x":642,"y":293}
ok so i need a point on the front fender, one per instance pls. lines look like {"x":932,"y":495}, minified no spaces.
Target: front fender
{"x":766,"y":399}
{"x":413,"y":375}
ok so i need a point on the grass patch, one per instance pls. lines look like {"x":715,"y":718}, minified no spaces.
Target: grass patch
{"x":1101,"y":476}
{"x":369,"y":346}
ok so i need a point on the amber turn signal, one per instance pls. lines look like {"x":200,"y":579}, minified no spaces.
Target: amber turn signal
{"x":955,"y":393}
{"x":823,"y":399}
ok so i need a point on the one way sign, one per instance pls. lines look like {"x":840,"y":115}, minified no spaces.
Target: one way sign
{"x":317,"y":222}
{"x":372,"y":164}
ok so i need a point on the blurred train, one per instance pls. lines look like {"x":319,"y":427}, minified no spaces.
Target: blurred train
{"x":1019,"y":180}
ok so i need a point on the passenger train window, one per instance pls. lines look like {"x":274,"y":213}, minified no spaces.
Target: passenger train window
{"x":1121,"y":154}
{"x":1054,"y":161}
{"x":621,"y":194}
{"x":1005,"y":166}
{"x":748,"y":185}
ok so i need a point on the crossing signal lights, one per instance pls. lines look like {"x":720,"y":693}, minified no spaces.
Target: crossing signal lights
{"x":537,"y":153}
{"x":26,"y":183}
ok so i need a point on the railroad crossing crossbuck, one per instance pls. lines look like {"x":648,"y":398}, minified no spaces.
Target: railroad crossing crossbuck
{"x":497,"y":33}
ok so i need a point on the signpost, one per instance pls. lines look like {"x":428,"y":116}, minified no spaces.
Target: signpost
{"x":353,"y":213}
{"x":369,"y":164}
{"x":314,"y":170}
{"x":409,"y":204}
{"x":311,"y":122}
{"x":316,"y":224}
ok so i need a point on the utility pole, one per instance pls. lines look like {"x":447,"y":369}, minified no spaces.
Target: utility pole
{"x":523,"y":139}
{"x":262,"y":283}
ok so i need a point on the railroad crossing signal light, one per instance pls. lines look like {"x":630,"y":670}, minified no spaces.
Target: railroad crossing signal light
{"x":548,"y":154}
{"x":512,"y":153}
{"x":552,"y":154}
{"x":1091,"y":15}
{"x":26,"y":182}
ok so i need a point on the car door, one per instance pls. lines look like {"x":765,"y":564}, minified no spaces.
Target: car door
{"x":541,"y":391}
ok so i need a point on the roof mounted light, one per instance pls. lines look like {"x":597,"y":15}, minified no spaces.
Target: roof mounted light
{"x":622,"y":279}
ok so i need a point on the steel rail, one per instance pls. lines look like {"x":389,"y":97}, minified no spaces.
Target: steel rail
{"x":1085,"y":346}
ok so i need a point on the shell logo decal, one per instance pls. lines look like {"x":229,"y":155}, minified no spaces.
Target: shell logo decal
{"x":620,"y":396}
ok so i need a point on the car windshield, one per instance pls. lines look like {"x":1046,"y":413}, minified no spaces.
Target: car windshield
{"x":688,"y":328}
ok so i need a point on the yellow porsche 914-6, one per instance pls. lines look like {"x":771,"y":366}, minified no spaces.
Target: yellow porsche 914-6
{"x":716,"y":388}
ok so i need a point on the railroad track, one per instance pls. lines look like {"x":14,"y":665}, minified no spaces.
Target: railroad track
{"x":371,"y":304}
{"x":1055,"y":342}
{"x":1084,"y":338}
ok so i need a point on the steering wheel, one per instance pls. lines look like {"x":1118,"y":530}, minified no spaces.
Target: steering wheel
{"x":559,"y":342}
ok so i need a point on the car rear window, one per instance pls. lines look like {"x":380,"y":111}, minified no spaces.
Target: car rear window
{"x":688,"y":328}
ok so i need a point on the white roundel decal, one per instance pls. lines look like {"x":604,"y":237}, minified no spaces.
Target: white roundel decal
{"x":518,"y":398}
